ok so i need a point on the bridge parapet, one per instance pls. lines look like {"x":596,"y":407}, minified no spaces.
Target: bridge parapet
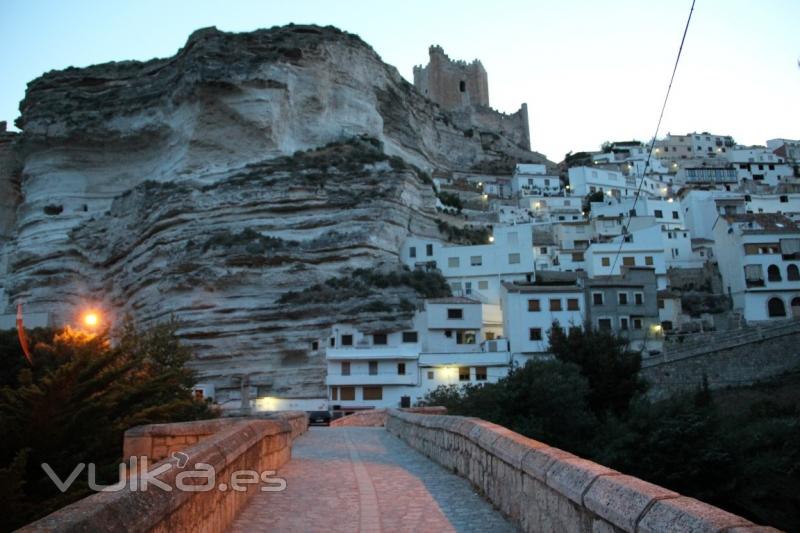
{"x":227,"y":446}
{"x":546,"y":489}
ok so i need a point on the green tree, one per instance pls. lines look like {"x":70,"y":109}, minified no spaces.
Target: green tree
{"x":77,"y":407}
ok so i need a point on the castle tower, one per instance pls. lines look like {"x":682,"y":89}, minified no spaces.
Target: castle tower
{"x":452,"y":84}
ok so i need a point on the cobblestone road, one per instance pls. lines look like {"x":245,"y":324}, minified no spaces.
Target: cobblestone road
{"x":365,"y":479}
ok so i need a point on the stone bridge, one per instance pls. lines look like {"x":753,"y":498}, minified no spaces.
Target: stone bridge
{"x":405,"y":471}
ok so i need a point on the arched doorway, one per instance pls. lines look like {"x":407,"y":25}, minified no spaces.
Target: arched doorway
{"x":775,"y":308}
{"x":796,"y":307}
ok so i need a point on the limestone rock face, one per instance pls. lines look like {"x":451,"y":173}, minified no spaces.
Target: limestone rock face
{"x":171,"y":188}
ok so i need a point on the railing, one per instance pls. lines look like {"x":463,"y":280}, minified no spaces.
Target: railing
{"x":700,"y":343}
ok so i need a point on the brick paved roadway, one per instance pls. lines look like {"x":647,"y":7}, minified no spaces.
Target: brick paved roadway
{"x":365,"y":479}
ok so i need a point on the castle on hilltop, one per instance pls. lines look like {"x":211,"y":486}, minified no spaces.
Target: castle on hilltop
{"x":463,"y":89}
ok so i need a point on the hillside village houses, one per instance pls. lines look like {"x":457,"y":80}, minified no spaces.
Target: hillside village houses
{"x":708,"y":214}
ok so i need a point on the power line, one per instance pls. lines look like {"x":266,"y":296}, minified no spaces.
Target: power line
{"x":652,"y":143}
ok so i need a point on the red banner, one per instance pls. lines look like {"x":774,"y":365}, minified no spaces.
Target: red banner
{"x":23,"y":339}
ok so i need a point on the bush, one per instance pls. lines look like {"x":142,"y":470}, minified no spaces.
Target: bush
{"x":75,"y":405}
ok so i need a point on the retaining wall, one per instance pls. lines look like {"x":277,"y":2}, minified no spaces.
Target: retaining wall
{"x":543,"y":488}
{"x":234,"y":445}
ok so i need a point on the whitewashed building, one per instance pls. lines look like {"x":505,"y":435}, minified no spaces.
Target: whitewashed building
{"x":531,"y":309}
{"x":454,"y":340}
{"x":477,"y":271}
{"x":759,"y":259}
{"x":533,"y":180}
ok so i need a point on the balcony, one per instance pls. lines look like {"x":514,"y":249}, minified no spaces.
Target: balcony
{"x":364,"y":378}
{"x":465,"y":359}
{"x":373,"y":352}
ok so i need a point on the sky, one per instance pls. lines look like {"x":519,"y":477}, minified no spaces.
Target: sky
{"x":589,"y":70}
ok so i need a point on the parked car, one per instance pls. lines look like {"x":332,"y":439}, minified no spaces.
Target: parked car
{"x":322,"y":418}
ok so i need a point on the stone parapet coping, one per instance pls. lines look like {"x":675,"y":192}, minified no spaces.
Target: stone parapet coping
{"x":543,"y":488}
{"x":236,"y":445}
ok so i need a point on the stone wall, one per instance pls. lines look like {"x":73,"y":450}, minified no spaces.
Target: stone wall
{"x":238,"y":444}
{"x":726,"y":359}
{"x":543,"y":488}
{"x":377,"y":417}
{"x":452,"y":84}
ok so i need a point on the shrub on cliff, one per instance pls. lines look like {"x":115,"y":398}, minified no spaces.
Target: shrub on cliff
{"x":75,"y":405}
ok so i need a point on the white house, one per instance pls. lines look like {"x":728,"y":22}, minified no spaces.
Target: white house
{"x":532,"y":180}
{"x":477,"y":270}
{"x":759,"y":164}
{"x":455,"y":340}
{"x":530,"y":310}
{"x":759,"y":259}
{"x":587,"y":180}
{"x":642,"y":248}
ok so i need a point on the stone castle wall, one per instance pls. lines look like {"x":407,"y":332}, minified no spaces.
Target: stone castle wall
{"x":452,"y":84}
{"x":463,"y":89}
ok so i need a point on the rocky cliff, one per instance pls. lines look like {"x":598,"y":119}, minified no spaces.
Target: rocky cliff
{"x":208,"y":185}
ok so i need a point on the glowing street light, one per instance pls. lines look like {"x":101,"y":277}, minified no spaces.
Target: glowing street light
{"x":491,"y":238}
{"x":91,"y":319}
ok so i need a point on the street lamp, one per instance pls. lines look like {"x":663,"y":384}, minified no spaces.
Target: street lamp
{"x":90,"y":319}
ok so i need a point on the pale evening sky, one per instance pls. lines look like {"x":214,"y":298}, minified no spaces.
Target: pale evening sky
{"x":590,"y":71}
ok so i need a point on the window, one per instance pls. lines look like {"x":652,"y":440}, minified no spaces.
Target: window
{"x":792,"y":273}
{"x":373,"y":368}
{"x":462,"y":86}
{"x":480,"y":373}
{"x":773,"y":273}
{"x":675,"y":215}
{"x":347,"y":340}
{"x":465,"y":336}
{"x":513,"y":259}
{"x":637,"y":323}
{"x":629,"y":260}
{"x":543,"y":250}
{"x":772,"y":167}
{"x":604,"y":324}
{"x":401,"y":369}
{"x":661,"y":304}
{"x":455,"y":313}
{"x":347,"y":393}
{"x":483,"y":285}
{"x":533,"y":306}
{"x":476,"y":260}
{"x":334,"y":393}
{"x":577,"y":256}
{"x":453,"y":262}
{"x":775,"y":307}
{"x":623,"y":324}
{"x":555,"y":304}
{"x":648,"y":260}
{"x":429,"y":250}
{"x":490,"y":335}
{"x":784,"y":199}
{"x":412,"y":252}
{"x":638,"y":298}
{"x":379,"y":338}
{"x":373,"y":393}
{"x":597,"y":298}
{"x":573,"y":304}
{"x":535,"y":334}
{"x":753,"y":275}
{"x":430,"y":374}
{"x":658,"y":213}
{"x":410,"y":336}
{"x":332,"y":341}
{"x":623,"y":298}
{"x":314,"y":345}
{"x":463,"y":373}
{"x":605,"y":261}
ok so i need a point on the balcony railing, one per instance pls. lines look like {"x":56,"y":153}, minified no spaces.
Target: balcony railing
{"x":403,"y":351}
